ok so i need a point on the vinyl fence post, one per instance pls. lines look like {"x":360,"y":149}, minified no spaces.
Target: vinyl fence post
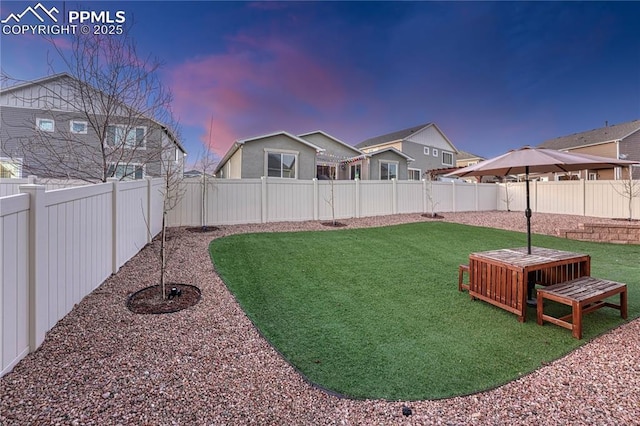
{"x":38,"y":292}
{"x":453,"y":195}
{"x":357,"y":195}
{"x":115,"y":264}
{"x":316,"y":203}
{"x":149,"y":209}
{"x":424,"y":196}
{"x":263,"y":193}
{"x":477,"y":197}
{"x":394,"y":196}
{"x":583,"y":194}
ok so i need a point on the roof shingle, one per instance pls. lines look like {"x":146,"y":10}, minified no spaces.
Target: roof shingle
{"x":591,"y":137}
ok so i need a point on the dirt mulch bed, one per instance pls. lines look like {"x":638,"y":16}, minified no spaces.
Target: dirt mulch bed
{"x":149,"y":300}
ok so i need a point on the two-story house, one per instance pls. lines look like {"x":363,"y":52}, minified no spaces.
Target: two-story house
{"x":620,"y":141}
{"x":425,"y":145}
{"x":60,"y":127}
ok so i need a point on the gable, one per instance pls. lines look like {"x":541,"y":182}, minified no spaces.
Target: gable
{"x":331,"y":145}
{"x":432,"y":136}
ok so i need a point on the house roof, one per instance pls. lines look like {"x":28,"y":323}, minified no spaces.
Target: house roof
{"x":237,"y":144}
{"x":464,"y":155}
{"x":43,"y":80}
{"x":612,"y":133}
{"x":393,"y":136}
{"x":332,"y":138}
{"x":391,"y":149}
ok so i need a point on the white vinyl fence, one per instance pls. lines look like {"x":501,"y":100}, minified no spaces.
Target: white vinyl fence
{"x":597,"y":198}
{"x":230,"y":201}
{"x":57,"y":246}
{"x":12,"y":186}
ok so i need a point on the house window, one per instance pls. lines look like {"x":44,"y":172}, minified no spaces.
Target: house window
{"x":593,"y":176}
{"x":388,"y":170}
{"x":127,"y":137}
{"x":447,"y":158}
{"x":282,"y":165}
{"x":355,"y":171}
{"x":79,"y":127}
{"x":426,"y":150}
{"x":45,"y":124}
{"x":326,"y":172}
{"x":10,"y":168}
{"x":435,"y":152}
{"x":414,"y":174}
{"x":126,"y":171}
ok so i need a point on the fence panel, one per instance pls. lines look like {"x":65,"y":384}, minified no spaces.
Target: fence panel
{"x":465,"y":195}
{"x":343,"y":199}
{"x":14,"y":280}
{"x":487,"y":196}
{"x":79,"y":246}
{"x":132,"y":218}
{"x":410,"y":196}
{"x":611,"y":199}
{"x":376,"y":198}
{"x":235,"y":202}
{"x":559,"y":197}
{"x":287,"y":201}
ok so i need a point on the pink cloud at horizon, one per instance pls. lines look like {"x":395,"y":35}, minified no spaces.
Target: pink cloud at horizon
{"x":255,"y":87}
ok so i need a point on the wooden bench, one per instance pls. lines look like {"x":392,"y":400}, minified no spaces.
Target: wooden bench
{"x":461,"y":271}
{"x":584,"y":295}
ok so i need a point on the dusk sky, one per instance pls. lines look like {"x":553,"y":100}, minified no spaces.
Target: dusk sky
{"x":492,"y":75}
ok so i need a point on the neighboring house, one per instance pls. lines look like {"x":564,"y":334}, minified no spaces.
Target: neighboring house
{"x":465,"y":159}
{"x":337,"y":160}
{"x":425,"y":145}
{"x":46,"y":130}
{"x":621,"y":141}
{"x":277,"y":155}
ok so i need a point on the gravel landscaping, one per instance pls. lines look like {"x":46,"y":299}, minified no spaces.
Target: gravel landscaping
{"x":207,"y":365}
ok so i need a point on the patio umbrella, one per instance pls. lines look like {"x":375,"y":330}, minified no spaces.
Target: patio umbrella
{"x":537,"y":160}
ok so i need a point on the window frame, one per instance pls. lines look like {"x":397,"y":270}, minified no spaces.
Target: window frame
{"x":86,"y":127}
{"x":16,"y":162}
{"x":434,"y":151}
{"x":281,"y":152}
{"x":444,"y":153}
{"x":355,"y":171}
{"x":127,"y":165}
{"x":40,"y":120}
{"x":124,"y":144}
{"x":426,"y":150}
{"x":391,"y":163}
{"x":411,"y":171}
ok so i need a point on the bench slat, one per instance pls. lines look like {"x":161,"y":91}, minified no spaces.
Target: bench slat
{"x":584,"y":295}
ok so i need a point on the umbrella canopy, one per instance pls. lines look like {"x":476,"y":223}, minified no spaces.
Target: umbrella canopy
{"x":537,"y":160}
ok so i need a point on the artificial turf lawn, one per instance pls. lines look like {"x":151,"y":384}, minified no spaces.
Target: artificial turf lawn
{"x":376,"y":312}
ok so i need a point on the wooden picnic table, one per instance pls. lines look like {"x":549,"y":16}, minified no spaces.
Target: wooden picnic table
{"x":500,"y":277}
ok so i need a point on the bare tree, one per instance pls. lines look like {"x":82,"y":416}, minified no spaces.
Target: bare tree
{"x":508,"y":197}
{"x":630,"y":190}
{"x":172,"y":192}
{"x":206,"y":165}
{"x":429,"y":193}
{"x":106,"y":112}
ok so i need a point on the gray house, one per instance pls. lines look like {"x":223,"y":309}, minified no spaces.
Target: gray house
{"x":620,"y":141}
{"x":307,"y":156}
{"x":426,"y":145}
{"x":60,"y":127}
{"x":277,"y":155}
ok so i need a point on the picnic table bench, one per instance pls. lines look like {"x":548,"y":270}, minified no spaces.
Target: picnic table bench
{"x":584,"y":295}
{"x":501,"y":277}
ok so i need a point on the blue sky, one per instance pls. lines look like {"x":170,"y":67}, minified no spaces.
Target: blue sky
{"x":492,"y":75}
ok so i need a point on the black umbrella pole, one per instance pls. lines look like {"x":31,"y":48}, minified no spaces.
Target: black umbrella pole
{"x":531,"y":282}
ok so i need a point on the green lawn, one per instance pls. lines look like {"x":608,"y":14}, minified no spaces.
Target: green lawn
{"x":376,"y":313}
